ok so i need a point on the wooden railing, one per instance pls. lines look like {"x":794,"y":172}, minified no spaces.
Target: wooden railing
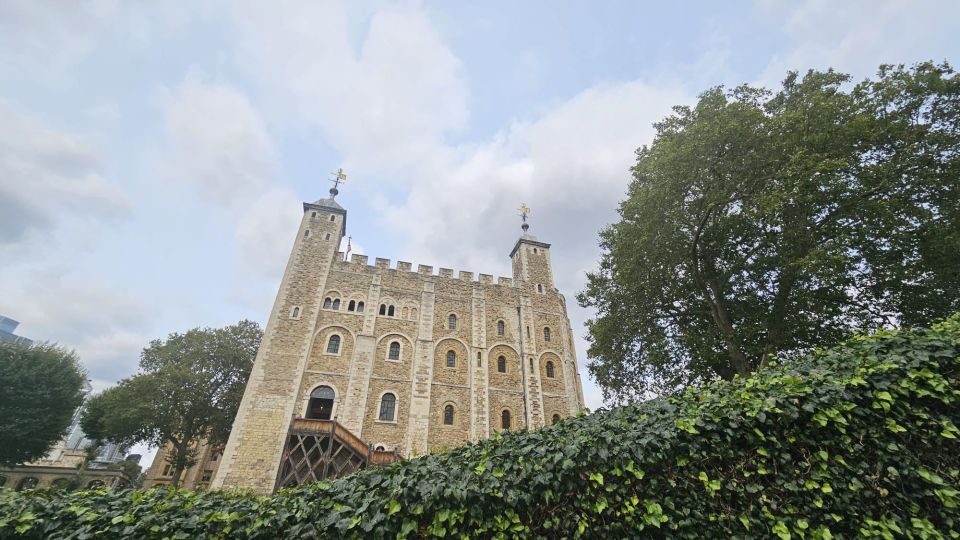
{"x":336,"y":429}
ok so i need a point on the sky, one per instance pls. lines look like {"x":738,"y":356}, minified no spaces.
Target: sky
{"x":154,"y":156}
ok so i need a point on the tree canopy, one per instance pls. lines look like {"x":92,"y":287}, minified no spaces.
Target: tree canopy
{"x":40,"y":388}
{"x":188,"y":389}
{"x":762,"y":223}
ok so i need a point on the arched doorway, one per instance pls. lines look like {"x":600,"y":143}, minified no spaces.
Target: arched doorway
{"x":320,"y":406}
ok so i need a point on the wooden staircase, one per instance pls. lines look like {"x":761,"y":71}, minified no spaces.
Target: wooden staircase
{"x":320,"y":449}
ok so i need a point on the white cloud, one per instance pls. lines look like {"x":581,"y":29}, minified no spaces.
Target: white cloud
{"x":106,"y":325}
{"x":46,"y":176}
{"x":265,"y":233}
{"x":219,"y":141}
{"x":856,"y":37}
{"x":386,"y":102}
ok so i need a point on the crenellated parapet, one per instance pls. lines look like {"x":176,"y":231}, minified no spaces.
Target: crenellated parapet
{"x":360,"y":264}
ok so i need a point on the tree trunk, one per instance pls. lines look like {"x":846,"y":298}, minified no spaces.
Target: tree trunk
{"x":179,"y":462}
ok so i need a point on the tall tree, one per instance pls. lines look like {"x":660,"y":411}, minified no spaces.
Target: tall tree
{"x":761,"y":224}
{"x":188,"y":389}
{"x":40,"y":388}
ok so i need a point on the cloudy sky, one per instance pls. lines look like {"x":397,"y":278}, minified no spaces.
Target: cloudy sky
{"x":153,"y":156}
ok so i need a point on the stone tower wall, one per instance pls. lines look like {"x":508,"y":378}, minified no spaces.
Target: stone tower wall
{"x":294,"y":361}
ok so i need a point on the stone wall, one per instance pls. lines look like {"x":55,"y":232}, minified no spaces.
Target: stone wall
{"x":293,"y":359}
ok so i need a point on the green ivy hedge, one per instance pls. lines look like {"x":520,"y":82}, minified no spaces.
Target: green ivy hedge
{"x":857,"y":441}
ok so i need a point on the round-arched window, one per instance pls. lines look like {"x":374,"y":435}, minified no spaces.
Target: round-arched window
{"x":394,"y":353}
{"x":448,"y":415}
{"x":505,"y":419}
{"x":501,"y":364}
{"x":451,"y":359}
{"x":550,"y":369}
{"x":333,"y":346}
{"x":388,"y":407}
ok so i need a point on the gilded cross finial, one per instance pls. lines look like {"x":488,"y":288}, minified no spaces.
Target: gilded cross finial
{"x":338,"y":178}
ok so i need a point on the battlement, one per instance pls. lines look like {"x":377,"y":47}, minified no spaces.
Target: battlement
{"x":360,"y":263}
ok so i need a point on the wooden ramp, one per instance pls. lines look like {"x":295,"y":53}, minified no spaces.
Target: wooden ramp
{"x":323,"y":449}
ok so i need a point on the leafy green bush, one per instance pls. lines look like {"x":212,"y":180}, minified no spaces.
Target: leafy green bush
{"x":860,"y":440}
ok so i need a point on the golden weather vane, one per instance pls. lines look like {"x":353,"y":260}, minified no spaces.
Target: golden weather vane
{"x":524,"y":212}
{"x":338,"y":178}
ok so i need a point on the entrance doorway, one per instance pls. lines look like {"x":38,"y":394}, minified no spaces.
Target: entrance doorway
{"x":320,"y":406}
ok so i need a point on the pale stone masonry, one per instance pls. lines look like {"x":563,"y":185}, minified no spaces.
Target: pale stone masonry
{"x":475,"y":348}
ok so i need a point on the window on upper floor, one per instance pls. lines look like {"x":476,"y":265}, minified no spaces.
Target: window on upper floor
{"x":501,"y":328}
{"x":327,"y":302}
{"x":327,"y":237}
{"x":351,"y":306}
{"x":501,"y":364}
{"x":394,"y":353}
{"x":549,"y":369}
{"x":333,"y":346}
{"x":546,"y":333}
{"x":388,"y":407}
{"x":451,"y":359}
{"x":313,"y":214}
{"x":539,"y":288}
{"x":452,"y":322}
{"x":333,"y":218}
{"x":306,"y":233}
{"x":383,"y":309}
{"x":448,"y":415}
{"x":296,"y":312}
{"x":390,"y":311}
{"x":359,"y":307}
{"x":336,"y":304}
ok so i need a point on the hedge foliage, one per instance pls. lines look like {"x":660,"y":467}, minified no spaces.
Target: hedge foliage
{"x":859,"y":440}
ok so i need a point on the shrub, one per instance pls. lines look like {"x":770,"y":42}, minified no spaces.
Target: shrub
{"x":859,"y":440}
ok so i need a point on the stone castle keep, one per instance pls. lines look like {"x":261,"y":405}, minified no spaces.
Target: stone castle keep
{"x":401,"y":360}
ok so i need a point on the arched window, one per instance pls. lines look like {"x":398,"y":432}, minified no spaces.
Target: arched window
{"x":388,"y":407}
{"x":359,"y":307}
{"x":380,"y":448}
{"x":546,"y":333}
{"x":390,"y":311}
{"x":539,"y":288}
{"x":296,"y":312}
{"x":336,"y":304}
{"x":327,"y":302}
{"x":556,"y":418}
{"x":451,"y":359}
{"x":501,"y":328}
{"x":549,"y":369}
{"x":394,"y":353}
{"x":27,"y":483}
{"x":501,"y":364}
{"x":505,"y":419}
{"x":333,"y":346}
{"x":405,"y":313}
{"x":320,"y":406}
{"x":452,"y":322}
{"x":413,"y":313}
{"x":333,"y":218}
{"x":383,"y":309}
{"x":351,"y":306}
{"x":448,"y":415}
